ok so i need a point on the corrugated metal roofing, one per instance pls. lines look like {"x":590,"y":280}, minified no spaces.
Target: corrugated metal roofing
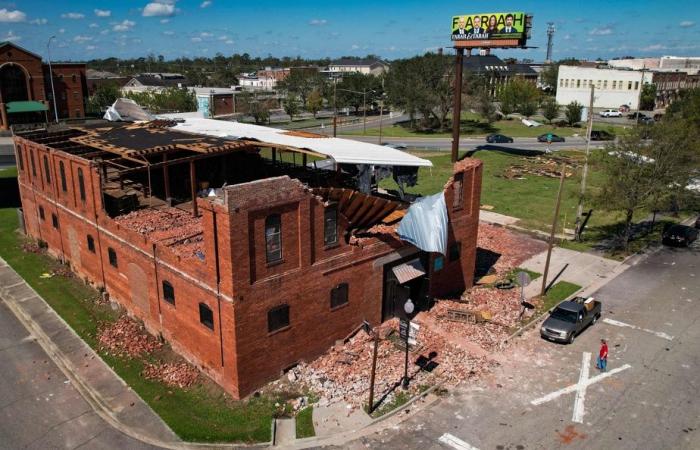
{"x":408,"y":271}
{"x":344,"y":151}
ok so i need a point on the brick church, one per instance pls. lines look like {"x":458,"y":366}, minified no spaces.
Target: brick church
{"x":25,"y":88}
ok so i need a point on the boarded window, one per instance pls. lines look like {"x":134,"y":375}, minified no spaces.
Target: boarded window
{"x":277,"y":318}
{"x":206,"y":316}
{"x":20,"y":158}
{"x":41,"y":213}
{"x":62,"y":173}
{"x":458,"y":191}
{"x":81,"y":184}
{"x":339,"y":295}
{"x":54,"y":220}
{"x":112,"y":257}
{"x":455,"y":250}
{"x":31,"y":158}
{"x":47,"y":172}
{"x":273,"y":238}
{"x":91,"y":243}
{"x":168,"y":293}
{"x":330,"y":225}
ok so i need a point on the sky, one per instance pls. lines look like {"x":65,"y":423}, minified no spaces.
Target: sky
{"x":316,"y":29}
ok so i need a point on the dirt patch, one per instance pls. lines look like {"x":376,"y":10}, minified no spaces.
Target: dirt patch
{"x":126,"y":338}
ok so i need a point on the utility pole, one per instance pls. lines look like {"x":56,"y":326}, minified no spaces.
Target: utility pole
{"x":53,"y":91}
{"x":364,"y":112}
{"x":335,"y":107}
{"x":457,"y":106}
{"x":381,"y":112}
{"x":584,"y":175}
{"x":554,"y":228}
{"x":639,"y":96}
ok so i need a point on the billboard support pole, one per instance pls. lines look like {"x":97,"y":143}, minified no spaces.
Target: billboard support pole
{"x":457,"y":107}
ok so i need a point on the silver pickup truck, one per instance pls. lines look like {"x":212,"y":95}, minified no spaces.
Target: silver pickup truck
{"x":570,"y":318}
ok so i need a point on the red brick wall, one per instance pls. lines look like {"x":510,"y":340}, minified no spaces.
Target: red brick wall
{"x":32,"y":66}
{"x":223,"y":104}
{"x":70,"y":85}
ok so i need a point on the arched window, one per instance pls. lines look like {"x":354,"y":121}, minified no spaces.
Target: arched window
{"x":81,"y":184}
{"x":168,"y":292}
{"x":47,"y":172}
{"x":20,"y":158}
{"x":330,"y":225}
{"x":273,"y":238}
{"x":91,"y":243}
{"x":62,"y":173}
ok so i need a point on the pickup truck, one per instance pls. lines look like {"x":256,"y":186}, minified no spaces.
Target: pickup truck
{"x":570,"y":318}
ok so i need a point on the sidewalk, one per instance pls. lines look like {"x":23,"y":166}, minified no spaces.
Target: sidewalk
{"x":106,"y":393}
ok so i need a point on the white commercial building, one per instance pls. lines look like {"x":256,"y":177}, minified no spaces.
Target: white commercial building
{"x":613,"y":87}
{"x":690,"y":64}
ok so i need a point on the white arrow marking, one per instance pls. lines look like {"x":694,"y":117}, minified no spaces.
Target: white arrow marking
{"x":455,"y":442}
{"x":617,"y":323}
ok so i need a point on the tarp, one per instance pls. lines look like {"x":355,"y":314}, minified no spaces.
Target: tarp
{"x":25,"y":106}
{"x":344,"y":151}
{"x":425,"y":224}
{"x":126,"y":110}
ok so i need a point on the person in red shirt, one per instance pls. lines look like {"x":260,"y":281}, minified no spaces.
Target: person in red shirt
{"x":602,"y":356}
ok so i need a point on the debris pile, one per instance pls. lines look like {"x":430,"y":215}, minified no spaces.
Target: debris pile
{"x":126,"y":338}
{"x":343,"y":373}
{"x":172,"y":227}
{"x":542,"y":167}
{"x":512,"y":249}
{"x":31,"y":247}
{"x":180,"y":375}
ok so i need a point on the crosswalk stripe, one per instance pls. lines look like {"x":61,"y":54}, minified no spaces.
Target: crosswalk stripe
{"x":455,"y":442}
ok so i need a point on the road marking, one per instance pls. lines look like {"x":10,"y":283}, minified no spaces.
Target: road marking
{"x":584,"y":381}
{"x":617,"y":323}
{"x":455,"y":442}
{"x":579,"y":408}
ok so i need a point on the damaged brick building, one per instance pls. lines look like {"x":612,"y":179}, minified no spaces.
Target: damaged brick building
{"x":246,"y":261}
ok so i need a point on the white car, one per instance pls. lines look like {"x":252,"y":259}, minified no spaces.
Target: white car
{"x":610,"y":113}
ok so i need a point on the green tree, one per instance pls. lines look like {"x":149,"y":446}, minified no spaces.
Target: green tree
{"x":291,"y":106}
{"x":573,"y":113}
{"x":104,"y":96}
{"x":519,"y":95}
{"x":485,"y":107}
{"x":351,"y":88}
{"x":549,"y":77}
{"x":686,"y":108}
{"x":168,"y":100}
{"x":301,"y":82}
{"x":315,"y":102}
{"x":648,"y":97}
{"x":550,"y":109}
{"x":528,"y":108}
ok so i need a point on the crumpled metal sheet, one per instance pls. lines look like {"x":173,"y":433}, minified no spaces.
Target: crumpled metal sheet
{"x":425,"y":224}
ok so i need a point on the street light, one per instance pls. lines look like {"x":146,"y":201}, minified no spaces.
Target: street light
{"x":53,"y":91}
{"x":408,"y":308}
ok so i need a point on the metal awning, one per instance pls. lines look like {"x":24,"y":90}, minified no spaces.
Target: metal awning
{"x":409,"y":271}
{"x":25,"y":106}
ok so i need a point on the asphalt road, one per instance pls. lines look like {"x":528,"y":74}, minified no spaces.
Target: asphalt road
{"x":649,"y":400}
{"x":39,"y":408}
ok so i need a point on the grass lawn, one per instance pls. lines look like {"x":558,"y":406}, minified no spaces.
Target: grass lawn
{"x":203,"y":412}
{"x":557,"y":293}
{"x":471,"y":126}
{"x":305,"y":423}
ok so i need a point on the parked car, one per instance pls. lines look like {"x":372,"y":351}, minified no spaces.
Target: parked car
{"x":645,"y":120}
{"x":636,"y":115}
{"x":610,"y":113}
{"x":623,"y":108}
{"x":570,"y":318}
{"x":498,"y":138}
{"x":555,"y":138}
{"x":601,"y":135}
{"x":679,"y":235}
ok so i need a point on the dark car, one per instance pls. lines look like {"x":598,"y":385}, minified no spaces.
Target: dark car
{"x":555,"y":138}
{"x":679,"y":235}
{"x":636,"y":115}
{"x":645,"y":120}
{"x":601,"y":135}
{"x":498,"y":138}
{"x":397,"y":146}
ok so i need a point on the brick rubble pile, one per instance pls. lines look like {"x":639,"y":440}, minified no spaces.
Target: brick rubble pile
{"x":126,"y":338}
{"x":180,"y":375}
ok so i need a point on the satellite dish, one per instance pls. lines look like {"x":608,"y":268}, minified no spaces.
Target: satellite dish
{"x":523,"y":279}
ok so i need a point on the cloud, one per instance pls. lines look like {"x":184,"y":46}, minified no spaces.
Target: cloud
{"x":317,"y":22}
{"x":653,"y":47}
{"x":205,"y":4}
{"x":93,"y":25}
{"x":39,"y":22}
{"x":73,"y":15}
{"x":204,"y":34}
{"x":196,"y":39}
{"x":604,"y":31}
{"x":164,"y":20}
{"x":126,"y":25}
{"x":10,"y":36}
{"x":103,"y":12}
{"x":62,"y":30}
{"x":90,"y":47}
{"x":12,"y":16}
{"x":567,"y":37}
{"x":168,"y":32}
{"x":223,"y":38}
{"x":354,"y":46}
{"x":159,"y":9}
{"x":105,"y":31}
{"x":229,"y":42}
{"x":80,"y":39}
{"x":687,"y":24}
